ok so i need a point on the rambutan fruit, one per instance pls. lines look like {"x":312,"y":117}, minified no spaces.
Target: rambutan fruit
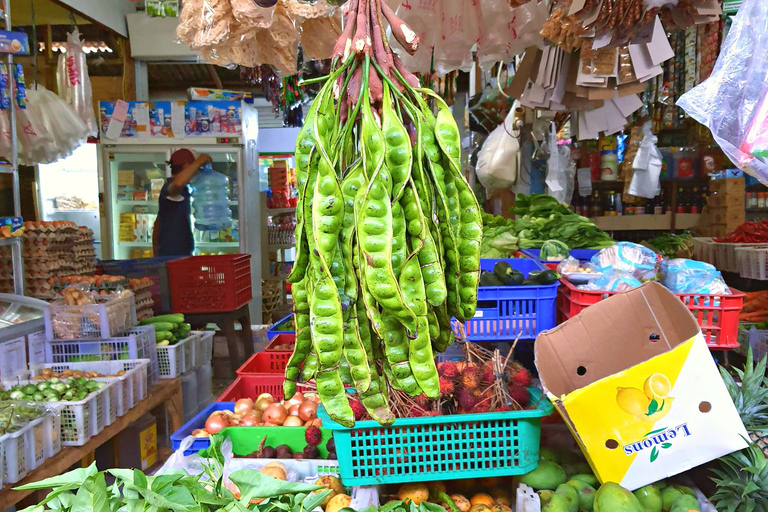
{"x":313,"y":436}
{"x":422,"y":400}
{"x":520,"y":395}
{"x":482,"y":407}
{"x":446,"y":387}
{"x":488,"y":373}
{"x":415,"y":413}
{"x":521,"y":376}
{"x":432,"y":413}
{"x":448,"y":370}
{"x":468,"y":379}
{"x":358,"y":410}
{"x":467,"y":400}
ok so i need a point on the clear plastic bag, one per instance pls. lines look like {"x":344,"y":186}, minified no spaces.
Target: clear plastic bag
{"x":612,"y":281}
{"x":460,"y":32}
{"x":74,"y":82}
{"x":733,"y":101}
{"x":689,"y":276}
{"x":561,"y":169}
{"x":248,"y":13}
{"x":499,"y":159}
{"x":634,"y":259}
{"x":422,"y":18}
{"x":646,"y":166}
{"x":508,"y":32}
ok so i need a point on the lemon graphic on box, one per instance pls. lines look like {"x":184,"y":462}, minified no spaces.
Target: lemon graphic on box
{"x":649,"y":404}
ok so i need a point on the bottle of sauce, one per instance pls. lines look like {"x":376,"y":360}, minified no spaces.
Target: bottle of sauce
{"x":681,"y":201}
{"x":609,"y":159}
{"x":695,"y":202}
{"x":595,"y":210}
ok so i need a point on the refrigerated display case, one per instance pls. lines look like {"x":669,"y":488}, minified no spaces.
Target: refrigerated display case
{"x":22,"y":333}
{"x":68,"y":189}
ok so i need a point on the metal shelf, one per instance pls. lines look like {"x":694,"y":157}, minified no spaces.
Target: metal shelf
{"x":138,"y":203}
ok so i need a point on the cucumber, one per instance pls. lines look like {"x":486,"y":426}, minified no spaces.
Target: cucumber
{"x":163,"y":335}
{"x":174,"y":318}
{"x":165,"y":326}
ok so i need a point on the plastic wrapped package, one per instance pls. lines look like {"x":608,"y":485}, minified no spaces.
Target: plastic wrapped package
{"x":499,"y":159}
{"x":204,"y":23}
{"x":317,"y":9}
{"x":689,"y":276}
{"x":422,"y":18}
{"x":554,"y":250}
{"x":248,"y":13}
{"x":508,"y":32}
{"x":74,"y":82}
{"x":612,"y":280}
{"x":319,"y":35}
{"x":636,"y":260}
{"x":561,"y":168}
{"x":733,"y":101}
{"x":460,"y":32}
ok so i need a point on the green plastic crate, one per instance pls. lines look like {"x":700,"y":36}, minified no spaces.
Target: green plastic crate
{"x":245,"y":440}
{"x":440,"y":447}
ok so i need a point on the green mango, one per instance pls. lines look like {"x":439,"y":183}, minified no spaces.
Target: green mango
{"x":685,"y":503}
{"x":668,"y":497}
{"x":685,"y":490}
{"x":612,"y":497}
{"x":547,"y":454}
{"x":587,"y":479}
{"x":547,"y":475}
{"x":586,"y":494}
{"x":571,"y":495}
{"x":650,"y":498}
{"x":576,"y":468}
{"x":661,"y":484}
{"x":553,"y":502}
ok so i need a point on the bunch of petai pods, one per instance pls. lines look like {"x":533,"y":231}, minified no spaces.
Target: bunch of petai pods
{"x":388,"y":233}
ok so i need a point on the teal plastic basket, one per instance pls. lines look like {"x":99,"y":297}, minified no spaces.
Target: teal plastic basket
{"x":440,"y":447}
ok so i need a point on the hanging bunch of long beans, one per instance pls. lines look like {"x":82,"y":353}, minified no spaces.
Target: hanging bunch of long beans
{"x":388,"y":233}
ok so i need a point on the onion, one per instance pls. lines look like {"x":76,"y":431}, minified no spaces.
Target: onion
{"x":275,"y":413}
{"x":296,"y":399}
{"x":250,"y":420}
{"x":215,"y":423}
{"x":293,"y":421}
{"x":307,"y":410}
{"x":263,"y":401}
{"x":243,"y":405}
{"x":293,"y":410}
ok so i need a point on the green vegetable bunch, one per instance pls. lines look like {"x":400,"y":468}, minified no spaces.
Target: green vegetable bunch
{"x":499,"y":240}
{"x":673,"y":246}
{"x":540,"y":217}
{"x":15,"y":415}
{"x":53,"y":390}
{"x":169,"y":329}
{"x":388,"y":230}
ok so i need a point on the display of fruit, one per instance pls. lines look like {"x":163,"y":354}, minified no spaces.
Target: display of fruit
{"x":71,"y":389}
{"x":169,"y":329}
{"x":478,"y":495}
{"x":47,"y":373}
{"x":14,"y":415}
{"x":388,"y":230}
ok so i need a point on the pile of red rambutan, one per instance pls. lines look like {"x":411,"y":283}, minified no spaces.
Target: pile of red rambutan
{"x":469,"y":387}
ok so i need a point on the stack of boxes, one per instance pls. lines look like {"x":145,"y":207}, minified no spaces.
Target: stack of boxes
{"x":726,"y":203}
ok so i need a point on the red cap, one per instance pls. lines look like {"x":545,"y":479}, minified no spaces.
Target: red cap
{"x":180,"y":158}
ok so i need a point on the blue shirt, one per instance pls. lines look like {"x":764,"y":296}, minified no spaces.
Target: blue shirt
{"x":174,"y":223}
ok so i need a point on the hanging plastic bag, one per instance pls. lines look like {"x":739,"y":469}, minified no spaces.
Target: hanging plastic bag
{"x":251,"y":14}
{"x":74,"y":82}
{"x":561,"y":168}
{"x":508,"y":32}
{"x":733,"y":101}
{"x":422,"y":17}
{"x":499,"y":159}
{"x":646,"y":166}
{"x":460,"y":32}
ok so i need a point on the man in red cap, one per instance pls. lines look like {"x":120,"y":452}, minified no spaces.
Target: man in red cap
{"x":172,"y":235}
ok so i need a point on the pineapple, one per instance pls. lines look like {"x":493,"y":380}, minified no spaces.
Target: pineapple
{"x":742,"y":482}
{"x":751,"y":399}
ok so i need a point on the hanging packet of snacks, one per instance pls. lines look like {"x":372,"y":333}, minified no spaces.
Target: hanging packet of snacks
{"x":171,"y":8}
{"x":74,"y":83}
{"x":154,"y":8}
{"x":204,"y":23}
{"x":21,"y":86}
{"x":250,"y":13}
{"x":5,"y":105}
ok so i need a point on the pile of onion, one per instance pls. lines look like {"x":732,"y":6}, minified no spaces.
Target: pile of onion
{"x":299,"y":411}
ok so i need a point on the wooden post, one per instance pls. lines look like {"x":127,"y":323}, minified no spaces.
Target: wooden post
{"x":49,"y":59}
{"x":129,"y":71}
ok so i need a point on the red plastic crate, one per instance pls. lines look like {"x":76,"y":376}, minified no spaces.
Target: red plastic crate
{"x":210,"y":284}
{"x":717,"y":315}
{"x":251,"y":386}
{"x":265,"y":362}
{"x":288,"y":338}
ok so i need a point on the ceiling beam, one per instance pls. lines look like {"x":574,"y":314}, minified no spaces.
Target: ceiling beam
{"x":109,"y":14}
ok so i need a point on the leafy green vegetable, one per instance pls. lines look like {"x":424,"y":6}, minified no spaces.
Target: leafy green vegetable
{"x":673,"y":246}
{"x":499,"y":240}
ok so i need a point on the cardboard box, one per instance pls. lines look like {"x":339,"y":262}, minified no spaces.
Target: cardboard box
{"x":726,"y":215}
{"x":728,"y":186}
{"x":733,"y":201}
{"x":635,"y":382}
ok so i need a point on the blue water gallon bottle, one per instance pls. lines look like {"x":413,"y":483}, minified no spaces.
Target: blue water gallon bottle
{"x":210,"y":200}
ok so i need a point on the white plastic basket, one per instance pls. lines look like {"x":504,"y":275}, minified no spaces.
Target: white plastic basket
{"x":203,"y":352}
{"x":173,"y":360}
{"x":137,"y":343}
{"x":13,"y":358}
{"x":727,"y":258}
{"x":90,"y":321}
{"x":17,"y":452}
{"x":204,"y":384}
{"x":703,"y":250}
{"x":753,"y":263}
{"x":129,"y":388}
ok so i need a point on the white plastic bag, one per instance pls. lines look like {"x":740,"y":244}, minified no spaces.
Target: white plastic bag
{"x":74,"y":82}
{"x":646,"y":166}
{"x":498,"y":161}
{"x":460,"y":32}
{"x":733,"y":101}
{"x":423,"y":17}
{"x":561,"y":169}
{"x":508,"y":32}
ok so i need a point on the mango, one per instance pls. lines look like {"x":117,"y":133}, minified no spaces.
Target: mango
{"x":547,"y":476}
{"x":668,"y":497}
{"x":612,"y":497}
{"x":553,"y":502}
{"x":587,"y":479}
{"x":571,"y":495}
{"x":685,"y":503}
{"x":586,"y":494}
{"x":661,"y":484}
{"x":547,"y":454}
{"x":650,"y":498}
{"x":685,"y":490}
{"x":576,"y":468}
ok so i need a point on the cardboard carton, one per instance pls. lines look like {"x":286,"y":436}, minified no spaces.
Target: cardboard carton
{"x":636,"y":384}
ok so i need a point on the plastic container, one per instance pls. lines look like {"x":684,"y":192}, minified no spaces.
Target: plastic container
{"x":704,"y":250}
{"x":753,"y":263}
{"x":265,"y":362}
{"x":203,"y":352}
{"x":210,"y":200}
{"x":18,"y":452}
{"x":252,"y":385}
{"x":189,"y":394}
{"x":717,"y":315}
{"x":129,"y":388}
{"x":274,"y":329}
{"x":137,"y":343}
{"x":503,"y":312}
{"x":245,"y":440}
{"x":210,"y":284}
{"x":284,"y":339}
{"x":440,"y":447}
{"x":153,"y":268}
{"x":91,"y":321}
{"x":173,"y":360}
{"x":579,"y":254}
{"x":204,"y":384}
{"x":727,"y":258}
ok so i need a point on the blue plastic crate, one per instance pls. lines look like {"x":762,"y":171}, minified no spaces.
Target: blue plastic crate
{"x":198,"y":422}
{"x":503,"y":312}
{"x":153,"y":268}
{"x":579,"y":254}
{"x":274,"y":331}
